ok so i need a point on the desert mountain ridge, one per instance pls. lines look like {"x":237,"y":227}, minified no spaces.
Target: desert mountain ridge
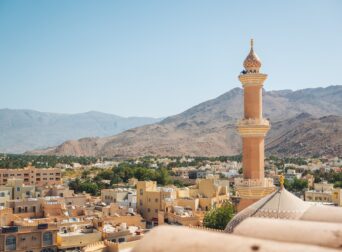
{"x":305,"y":122}
{"x":22,"y":130}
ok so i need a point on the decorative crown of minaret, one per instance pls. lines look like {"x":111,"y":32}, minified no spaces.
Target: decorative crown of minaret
{"x":252,"y":62}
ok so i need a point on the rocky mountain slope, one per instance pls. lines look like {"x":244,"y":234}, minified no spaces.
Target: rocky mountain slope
{"x":22,"y":130}
{"x":305,"y":135}
{"x":208,"y":129}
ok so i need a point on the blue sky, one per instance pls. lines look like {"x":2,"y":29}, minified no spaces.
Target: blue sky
{"x":158,"y":58}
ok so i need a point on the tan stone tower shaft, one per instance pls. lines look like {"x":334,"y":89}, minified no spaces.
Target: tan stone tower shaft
{"x":253,"y":127}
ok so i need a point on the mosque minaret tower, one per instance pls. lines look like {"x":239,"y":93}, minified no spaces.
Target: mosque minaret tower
{"x":252,"y":129}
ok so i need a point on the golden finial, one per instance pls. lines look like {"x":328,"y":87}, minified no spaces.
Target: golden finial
{"x":281,"y":181}
{"x":252,"y":43}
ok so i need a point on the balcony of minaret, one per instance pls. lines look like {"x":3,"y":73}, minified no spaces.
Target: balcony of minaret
{"x":257,"y":127}
{"x":252,"y":79}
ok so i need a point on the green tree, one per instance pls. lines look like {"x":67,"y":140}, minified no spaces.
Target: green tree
{"x":297,"y":185}
{"x":89,"y":187}
{"x":338,"y":184}
{"x":85,"y":174}
{"x":163,"y":177}
{"x":218,"y":218}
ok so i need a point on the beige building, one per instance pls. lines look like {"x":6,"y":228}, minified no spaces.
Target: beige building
{"x":120,"y":196}
{"x":26,"y":208}
{"x":6,"y":216}
{"x":32,"y":175}
{"x":76,"y":237}
{"x":150,"y":197}
{"x":337,"y":196}
{"x":120,"y":233}
{"x":324,"y":193}
{"x":16,"y":189}
{"x":5,"y":195}
{"x":55,"y":190}
{"x":184,"y":206}
{"x":116,"y":215}
{"x":38,"y":238}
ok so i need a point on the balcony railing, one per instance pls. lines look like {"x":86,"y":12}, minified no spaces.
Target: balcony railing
{"x":252,"y":121}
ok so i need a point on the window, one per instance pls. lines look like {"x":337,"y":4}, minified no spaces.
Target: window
{"x":156,"y":200}
{"x":18,"y":189}
{"x":2,"y":194}
{"x":47,"y":239}
{"x":11,"y":243}
{"x":156,"y":210}
{"x":148,"y":210}
{"x":141,"y":191}
{"x":121,"y":239}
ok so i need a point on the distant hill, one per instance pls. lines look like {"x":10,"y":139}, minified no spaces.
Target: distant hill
{"x":23,"y":130}
{"x":305,"y":135}
{"x":300,"y":124}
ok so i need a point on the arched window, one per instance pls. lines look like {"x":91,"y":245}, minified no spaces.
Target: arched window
{"x":11,"y":243}
{"x":47,"y":239}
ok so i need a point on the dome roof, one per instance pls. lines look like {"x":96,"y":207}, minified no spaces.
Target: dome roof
{"x":252,"y":60}
{"x":280,"y":204}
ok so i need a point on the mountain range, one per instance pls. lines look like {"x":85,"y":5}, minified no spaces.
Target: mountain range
{"x":306,"y":122}
{"x":23,"y":130}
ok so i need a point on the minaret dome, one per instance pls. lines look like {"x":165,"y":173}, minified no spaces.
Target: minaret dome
{"x":252,"y":63}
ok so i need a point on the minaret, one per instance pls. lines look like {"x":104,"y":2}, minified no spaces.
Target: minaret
{"x":253,"y":128}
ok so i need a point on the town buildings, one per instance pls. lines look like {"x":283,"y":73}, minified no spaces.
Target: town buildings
{"x":324,"y":193}
{"x":16,"y":189}
{"x":31,"y":237}
{"x":32,"y":175}
{"x":121,"y":196}
{"x":185,"y":206}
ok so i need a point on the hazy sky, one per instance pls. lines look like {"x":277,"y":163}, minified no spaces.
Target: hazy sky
{"x":158,"y":58}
